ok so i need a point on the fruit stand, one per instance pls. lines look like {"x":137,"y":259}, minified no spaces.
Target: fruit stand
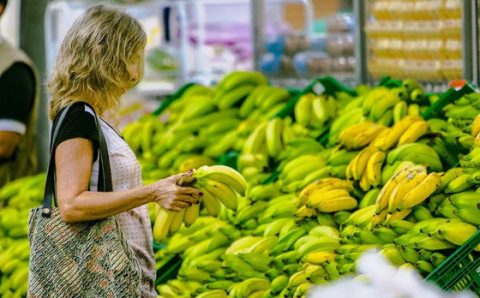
{"x":300,"y":180}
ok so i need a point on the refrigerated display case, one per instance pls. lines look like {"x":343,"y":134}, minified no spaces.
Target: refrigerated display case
{"x":427,"y":40}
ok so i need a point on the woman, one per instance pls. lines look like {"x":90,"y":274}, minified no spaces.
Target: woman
{"x":100,"y":59}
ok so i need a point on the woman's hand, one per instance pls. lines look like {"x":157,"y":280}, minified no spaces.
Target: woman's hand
{"x":173,"y":193}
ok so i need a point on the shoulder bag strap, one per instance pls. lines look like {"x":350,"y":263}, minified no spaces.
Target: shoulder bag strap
{"x":104,"y":176}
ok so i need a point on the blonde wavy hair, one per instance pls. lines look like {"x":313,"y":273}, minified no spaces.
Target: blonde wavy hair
{"x":94,"y":61}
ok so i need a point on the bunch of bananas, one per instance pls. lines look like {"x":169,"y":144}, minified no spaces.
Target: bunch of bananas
{"x":301,"y":171}
{"x":264,"y":102}
{"x":221,"y":185}
{"x":16,"y":200}
{"x":201,"y":125}
{"x":407,"y":188}
{"x":328,"y":195}
{"x":314,"y":111}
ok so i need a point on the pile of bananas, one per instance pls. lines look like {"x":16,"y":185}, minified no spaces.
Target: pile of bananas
{"x":16,"y":200}
{"x":221,"y":185}
{"x":203,"y":124}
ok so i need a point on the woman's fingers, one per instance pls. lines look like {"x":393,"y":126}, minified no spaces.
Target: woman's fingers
{"x":187,"y":199}
{"x":190,"y":191}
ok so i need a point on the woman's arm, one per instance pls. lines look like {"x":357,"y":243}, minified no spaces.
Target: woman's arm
{"x":74,"y":159}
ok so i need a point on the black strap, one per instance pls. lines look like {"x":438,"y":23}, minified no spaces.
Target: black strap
{"x":104,"y":171}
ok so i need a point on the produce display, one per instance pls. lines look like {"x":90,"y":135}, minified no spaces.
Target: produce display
{"x":16,"y":199}
{"x":335,"y":176}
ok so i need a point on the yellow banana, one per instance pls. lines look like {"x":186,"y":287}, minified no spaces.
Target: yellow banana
{"x":476,"y":126}
{"x":421,"y":192}
{"x":162,"y":224}
{"x":374,"y":168}
{"x":256,"y":140}
{"x":397,"y":131}
{"x":379,"y":141}
{"x":303,"y":109}
{"x":319,"y":196}
{"x":211,"y":203}
{"x":414,"y":132}
{"x":457,"y":232}
{"x":414,"y":177}
{"x":318,"y":257}
{"x":359,"y":163}
{"x":177,"y":221}
{"x":384,"y":195}
{"x":191,"y":214}
{"x":222,"y":192}
{"x":274,"y":136}
{"x":337,"y":204}
{"x":223,"y":174}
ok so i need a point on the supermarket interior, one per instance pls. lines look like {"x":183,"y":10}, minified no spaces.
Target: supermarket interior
{"x":239,"y":148}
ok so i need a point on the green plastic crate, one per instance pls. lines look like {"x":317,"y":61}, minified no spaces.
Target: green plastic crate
{"x":461,"y":270}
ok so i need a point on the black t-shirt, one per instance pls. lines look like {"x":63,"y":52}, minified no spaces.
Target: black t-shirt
{"x":78,"y":123}
{"x":17,"y":95}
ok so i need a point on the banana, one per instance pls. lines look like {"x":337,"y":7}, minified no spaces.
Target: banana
{"x":320,"y":110}
{"x":251,"y":211}
{"x":239,"y":266}
{"x":359,"y":163}
{"x":383,"y":198}
{"x":242,"y":245}
{"x":251,"y":285}
{"x":234,"y":79}
{"x":385,"y":103}
{"x":223,"y":174}
{"x":336,"y":204}
{"x":414,"y":177}
{"x":457,"y":232}
{"x":413,"y":110}
{"x":303,"y":109}
{"x":220,"y":285}
{"x":249,"y":103}
{"x":286,"y":241}
{"x":393,"y":254}
{"x":191,"y":214}
{"x":432,"y":243}
{"x":177,"y":221}
{"x":211,"y":203}
{"x":315,"y":176}
{"x":364,"y":138}
{"x":374,"y":168}
{"x":449,"y":176}
{"x":421,"y":213}
{"x":162,"y":224}
{"x":278,"y":284}
{"x":401,"y":226}
{"x":222,"y":192}
{"x":398,"y":215}
{"x":468,"y":199}
{"x":256,"y":140}
{"x":274,"y":136}
{"x":476,"y":126}
{"x":418,"y":153}
{"x":369,"y":198}
{"x":318,"y":257}
{"x":258,"y":261}
{"x":362,"y":217}
{"x":341,"y":157}
{"x":219,"y":293}
{"x":414,"y":132}
{"x":305,"y":212}
{"x":275,"y":96}
{"x":324,"y":195}
{"x":399,"y":111}
{"x":409,"y":254}
{"x":397,"y":131}
{"x":203,"y":106}
{"x":459,"y":184}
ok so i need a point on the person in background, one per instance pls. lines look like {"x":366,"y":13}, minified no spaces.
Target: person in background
{"x":19,"y":90}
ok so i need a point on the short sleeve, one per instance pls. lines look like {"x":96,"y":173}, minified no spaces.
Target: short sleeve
{"x":17,"y":95}
{"x":78,"y":123}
